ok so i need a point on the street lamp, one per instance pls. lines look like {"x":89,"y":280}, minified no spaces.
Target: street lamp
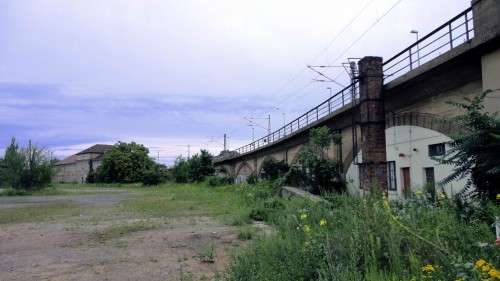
{"x":418,"y":49}
{"x":329,"y":88}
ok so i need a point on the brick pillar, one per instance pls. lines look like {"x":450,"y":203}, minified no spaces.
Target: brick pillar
{"x":373,"y":169}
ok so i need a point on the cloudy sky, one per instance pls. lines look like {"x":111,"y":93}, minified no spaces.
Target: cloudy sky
{"x":170,"y":73}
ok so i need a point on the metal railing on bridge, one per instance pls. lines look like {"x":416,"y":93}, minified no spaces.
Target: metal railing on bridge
{"x":341,"y":99}
{"x":455,"y":32}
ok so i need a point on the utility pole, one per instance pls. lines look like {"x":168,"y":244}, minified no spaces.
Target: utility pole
{"x":252,"y":123}
{"x":269,"y":124}
{"x":189,"y":151}
{"x":225,"y":142}
{"x":253,"y":131}
{"x":158,"y":156}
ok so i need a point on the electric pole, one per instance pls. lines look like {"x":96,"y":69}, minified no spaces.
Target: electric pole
{"x":225,"y":142}
{"x":269,"y":124}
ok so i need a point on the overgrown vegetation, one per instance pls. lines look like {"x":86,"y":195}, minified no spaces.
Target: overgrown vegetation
{"x":351,"y":238}
{"x":194,"y":169}
{"x":25,"y":169}
{"x":321,"y":174}
{"x":475,"y":152}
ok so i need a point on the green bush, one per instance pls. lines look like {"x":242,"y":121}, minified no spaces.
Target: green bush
{"x":316,"y":171}
{"x":152,"y":176}
{"x":259,"y":214}
{"x":252,"y":179}
{"x":272,"y":169}
{"x":214,"y":181}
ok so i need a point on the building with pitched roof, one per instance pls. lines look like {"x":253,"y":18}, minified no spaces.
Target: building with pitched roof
{"x":75,"y":168}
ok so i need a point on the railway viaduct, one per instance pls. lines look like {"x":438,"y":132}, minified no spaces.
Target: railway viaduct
{"x":459,"y":59}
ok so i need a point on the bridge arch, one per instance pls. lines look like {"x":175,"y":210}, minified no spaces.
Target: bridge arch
{"x":409,"y":137}
{"x":225,"y":171}
{"x":429,"y":121}
{"x":243,"y":171}
{"x":261,"y":163}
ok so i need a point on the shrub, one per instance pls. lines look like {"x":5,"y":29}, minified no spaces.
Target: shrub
{"x":214,"y":181}
{"x":152,"y":176}
{"x":26,"y":168}
{"x":319,"y":173}
{"x":259,"y":214}
{"x":252,"y":179}
{"x":272,"y":169}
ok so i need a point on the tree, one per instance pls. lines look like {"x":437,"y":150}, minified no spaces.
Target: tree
{"x":475,"y":152}
{"x":125,"y":163}
{"x":321,"y":173}
{"x":26,"y":168}
{"x":194,"y":169}
{"x":13,"y":165}
{"x":201,"y":166}
{"x":37,"y":171}
{"x":180,"y":170}
{"x":272,"y":169}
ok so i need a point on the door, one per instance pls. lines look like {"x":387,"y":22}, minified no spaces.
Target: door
{"x":430,"y":182}
{"x":406,"y":180}
{"x":429,"y":177}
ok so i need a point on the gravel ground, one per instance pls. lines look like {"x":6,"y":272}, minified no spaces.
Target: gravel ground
{"x":102,"y":244}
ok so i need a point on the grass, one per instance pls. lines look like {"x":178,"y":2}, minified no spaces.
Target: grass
{"x":225,"y":202}
{"x":51,"y":190}
{"x":208,"y":254}
{"x":38,"y":213}
{"x":246,"y":233}
{"x":120,"y":230}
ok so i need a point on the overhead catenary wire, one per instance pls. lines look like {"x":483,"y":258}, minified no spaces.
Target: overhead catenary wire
{"x":329,"y":45}
{"x":363,"y":34}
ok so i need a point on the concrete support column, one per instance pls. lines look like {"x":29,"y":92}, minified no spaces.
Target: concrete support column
{"x":486,"y":19}
{"x":373,"y":169}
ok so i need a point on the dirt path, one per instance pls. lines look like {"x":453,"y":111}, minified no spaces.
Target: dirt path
{"x":87,"y":237}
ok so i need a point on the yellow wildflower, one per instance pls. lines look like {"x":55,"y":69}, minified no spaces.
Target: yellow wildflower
{"x":419,"y":193}
{"x":428,"y":268}
{"x":498,"y":196}
{"x":480,"y":263}
{"x":303,"y":216}
{"x":486,"y":268}
{"x":322,"y":222}
{"x":386,"y":202}
{"x":494,"y":273}
{"x":307,"y":228}
{"x":459,"y":279}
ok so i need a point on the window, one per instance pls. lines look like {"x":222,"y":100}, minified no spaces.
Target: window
{"x":437,"y":149}
{"x":391,"y":175}
{"x":429,"y":177}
